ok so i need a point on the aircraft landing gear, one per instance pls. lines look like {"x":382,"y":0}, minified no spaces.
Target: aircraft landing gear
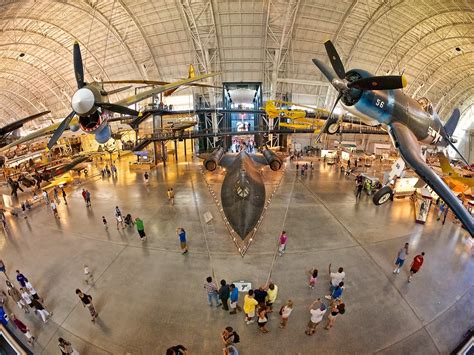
{"x":383,"y":195}
{"x":333,"y":126}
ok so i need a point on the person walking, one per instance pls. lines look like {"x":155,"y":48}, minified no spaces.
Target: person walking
{"x":32,"y":291}
{"x":22,"y":328}
{"x":56,"y":195}
{"x":262,"y":320}
{"x":336,"y":278}
{"x":416,"y":265}
{"x":119,"y":218}
{"x":441,"y":210}
{"x":316,"y":316}
{"x":87,"y":302}
{"x":54,"y":208}
{"x":88,"y":198}
{"x":146,"y":177}
{"x":140,"y":228}
{"x":16,"y":296}
{"x":224,"y":294}
{"x":359,"y":188}
{"x":22,"y":280}
{"x":26,"y":297}
{"x":45,"y":197}
{"x":171,"y":196}
{"x":212,"y":293}
{"x":3,"y":269}
{"x":282,"y":243}
{"x":104,"y":221}
{"x":64,"y":195}
{"x":272,"y":293}
{"x":285,"y":312}
{"x":182,"y":240}
{"x":335,"y":308}
{"x":66,"y":347}
{"x":88,"y":276}
{"x":84,"y":196}
{"x":249,"y":307}
{"x":234,"y":298}
{"x":313,"y":278}
{"x":41,"y":310}
{"x":401,"y":256}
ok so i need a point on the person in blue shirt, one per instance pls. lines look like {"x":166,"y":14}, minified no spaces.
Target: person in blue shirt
{"x":182,"y":240}
{"x":234,"y":297}
{"x":22,"y":280}
{"x":337,"y":292}
{"x":3,"y":316}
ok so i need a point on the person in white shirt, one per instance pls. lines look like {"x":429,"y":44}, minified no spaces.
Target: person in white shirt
{"x":285,"y":312}
{"x":336,"y":278}
{"x":316,"y":316}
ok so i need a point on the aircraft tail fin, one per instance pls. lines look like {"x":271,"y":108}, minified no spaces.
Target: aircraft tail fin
{"x":452,"y":123}
{"x":191,"y":72}
{"x":445,"y":165}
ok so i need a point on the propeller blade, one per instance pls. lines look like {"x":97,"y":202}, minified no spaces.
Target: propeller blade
{"x":326,"y":124}
{"x":335,"y":59}
{"x":78,"y":67}
{"x":324,"y":69}
{"x":389,"y":82}
{"x":458,"y":152}
{"x":117,"y":108}
{"x":60,"y":130}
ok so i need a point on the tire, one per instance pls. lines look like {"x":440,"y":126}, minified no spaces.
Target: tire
{"x":383,"y":195}
{"x":333,"y":127}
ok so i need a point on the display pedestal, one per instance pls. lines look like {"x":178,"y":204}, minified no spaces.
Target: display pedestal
{"x":423,"y":202}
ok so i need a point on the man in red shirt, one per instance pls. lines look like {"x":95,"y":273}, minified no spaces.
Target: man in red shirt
{"x":416,"y":265}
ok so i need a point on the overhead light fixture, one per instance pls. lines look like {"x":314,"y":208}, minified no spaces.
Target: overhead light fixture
{"x":458,"y":49}
{"x":22,"y":55}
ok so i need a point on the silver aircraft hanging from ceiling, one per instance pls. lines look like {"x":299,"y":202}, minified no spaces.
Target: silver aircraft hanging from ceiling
{"x":91,"y":103}
{"x":376,"y":100}
{"x":6,"y":132}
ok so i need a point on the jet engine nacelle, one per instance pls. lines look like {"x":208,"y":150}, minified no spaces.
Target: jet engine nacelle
{"x":213,"y":159}
{"x":273,"y":161}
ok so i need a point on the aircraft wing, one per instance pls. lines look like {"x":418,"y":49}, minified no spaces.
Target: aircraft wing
{"x":146,"y":94}
{"x":37,"y":134}
{"x":445,"y":165}
{"x":411,"y":153}
{"x":19,"y":123}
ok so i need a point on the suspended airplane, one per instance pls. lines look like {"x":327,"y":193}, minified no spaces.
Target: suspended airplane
{"x":6,"y":137}
{"x":376,"y":100}
{"x":295,"y":118}
{"x":91,"y":104}
{"x":458,"y":180}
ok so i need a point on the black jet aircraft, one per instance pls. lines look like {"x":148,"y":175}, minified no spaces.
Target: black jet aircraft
{"x":376,"y":101}
{"x":91,"y":103}
{"x":243,"y":190}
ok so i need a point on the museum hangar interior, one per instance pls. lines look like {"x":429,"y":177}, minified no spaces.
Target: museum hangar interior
{"x":236,"y":176}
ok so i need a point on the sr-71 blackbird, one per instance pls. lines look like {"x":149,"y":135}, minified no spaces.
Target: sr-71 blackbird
{"x":376,"y":100}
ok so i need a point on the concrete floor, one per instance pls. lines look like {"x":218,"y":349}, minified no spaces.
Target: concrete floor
{"x":150,"y":297}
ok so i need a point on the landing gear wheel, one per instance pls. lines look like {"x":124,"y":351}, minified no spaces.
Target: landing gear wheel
{"x":383,"y":195}
{"x":333,"y":127}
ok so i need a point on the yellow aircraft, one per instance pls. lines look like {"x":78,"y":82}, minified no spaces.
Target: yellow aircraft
{"x":455,"y":180}
{"x":295,"y":119}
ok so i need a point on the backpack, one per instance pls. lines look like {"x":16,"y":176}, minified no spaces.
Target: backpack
{"x":236,"y":338}
{"x":281,"y":311}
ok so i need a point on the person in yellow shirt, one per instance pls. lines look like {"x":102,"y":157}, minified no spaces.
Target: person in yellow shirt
{"x":249,"y":307}
{"x":271,"y":297}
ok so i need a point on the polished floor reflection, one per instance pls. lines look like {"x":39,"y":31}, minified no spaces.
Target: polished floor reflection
{"x":150,"y":297}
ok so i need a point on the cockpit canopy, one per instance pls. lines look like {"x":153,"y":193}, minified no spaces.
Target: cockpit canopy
{"x":426,"y":104}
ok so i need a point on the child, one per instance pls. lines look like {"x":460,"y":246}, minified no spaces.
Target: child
{"x":262,"y":320}
{"x":282,"y":243}
{"x":88,"y":277}
{"x":171,"y":196}
{"x":128,"y":220}
{"x":23,"y":328}
{"x":313,"y":277}
{"x":105,"y":223}
{"x":285,"y":312}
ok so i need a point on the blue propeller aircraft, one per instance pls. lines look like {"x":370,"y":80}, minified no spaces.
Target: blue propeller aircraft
{"x":376,"y":101}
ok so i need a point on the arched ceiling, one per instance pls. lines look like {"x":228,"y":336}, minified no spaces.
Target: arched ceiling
{"x":269,"y":41}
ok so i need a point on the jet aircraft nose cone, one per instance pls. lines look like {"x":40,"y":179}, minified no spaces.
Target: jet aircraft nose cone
{"x":83,"y":101}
